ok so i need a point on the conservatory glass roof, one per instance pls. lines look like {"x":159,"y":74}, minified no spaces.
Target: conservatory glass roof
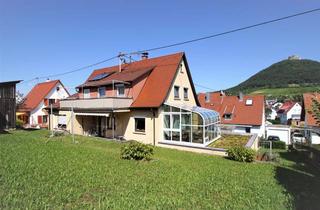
{"x":209,"y":116}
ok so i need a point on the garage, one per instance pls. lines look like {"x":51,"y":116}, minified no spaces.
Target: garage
{"x":282,"y":131}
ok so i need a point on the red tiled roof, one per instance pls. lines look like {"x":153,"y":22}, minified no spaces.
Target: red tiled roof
{"x":161,"y":72}
{"x":310,"y":119}
{"x":242,"y":114}
{"x":36,"y":95}
{"x":286,"y":106}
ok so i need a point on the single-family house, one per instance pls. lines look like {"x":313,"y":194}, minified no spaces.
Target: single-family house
{"x":289,"y":110}
{"x":32,"y":109}
{"x":238,"y":114}
{"x":8,"y":104}
{"x":152,"y":100}
{"x":311,"y":122}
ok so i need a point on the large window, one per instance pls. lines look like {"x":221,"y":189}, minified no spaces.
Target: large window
{"x":102,"y":91}
{"x":139,"y":124}
{"x":187,"y":126}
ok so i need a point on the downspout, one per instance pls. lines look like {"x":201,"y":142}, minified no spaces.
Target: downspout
{"x":154,"y":127}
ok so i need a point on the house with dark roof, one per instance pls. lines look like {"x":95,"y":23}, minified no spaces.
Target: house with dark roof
{"x":152,"y":100}
{"x":8,"y":104}
{"x":238,"y":114}
{"x":289,"y":110}
{"x":32,"y":109}
{"x":311,"y":122}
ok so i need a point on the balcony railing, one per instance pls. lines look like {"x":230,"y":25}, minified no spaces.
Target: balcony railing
{"x":97,"y":103}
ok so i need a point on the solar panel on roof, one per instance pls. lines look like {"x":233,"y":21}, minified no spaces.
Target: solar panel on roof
{"x":100,"y":76}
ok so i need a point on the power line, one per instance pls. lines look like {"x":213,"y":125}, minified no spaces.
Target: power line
{"x":72,"y":71}
{"x":227,"y":32}
{"x":205,"y":87}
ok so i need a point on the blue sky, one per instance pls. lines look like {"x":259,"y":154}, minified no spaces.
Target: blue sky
{"x":38,"y":38}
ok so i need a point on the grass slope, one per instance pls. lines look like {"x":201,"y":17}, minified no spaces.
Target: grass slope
{"x":283,"y":75}
{"x":288,"y":91}
{"x":37,"y":174}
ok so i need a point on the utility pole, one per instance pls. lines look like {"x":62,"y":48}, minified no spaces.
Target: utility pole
{"x":72,"y":124}
{"x":51,"y":120}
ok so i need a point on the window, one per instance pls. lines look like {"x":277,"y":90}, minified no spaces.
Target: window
{"x":140,"y":124}
{"x":86,"y":93}
{"x":102,"y":91}
{"x":45,"y":118}
{"x":248,"y":130}
{"x":185,"y":93}
{"x":227,"y":116}
{"x":120,"y":90}
{"x":249,"y":102}
{"x":176,"y":91}
{"x":52,"y":101}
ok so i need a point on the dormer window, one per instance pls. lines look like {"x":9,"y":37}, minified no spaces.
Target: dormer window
{"x":227,"y":116}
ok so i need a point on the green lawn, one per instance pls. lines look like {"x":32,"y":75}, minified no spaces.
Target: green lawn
{"x":228,"y":141}
{"x":287,"y":91}
{"x":38,"y":174}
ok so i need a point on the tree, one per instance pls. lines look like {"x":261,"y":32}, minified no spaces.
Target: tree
{"x":19,"y":97}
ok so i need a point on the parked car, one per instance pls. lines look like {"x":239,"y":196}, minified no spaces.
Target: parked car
{"x":273,"y":138}
{"x":298,"y":138}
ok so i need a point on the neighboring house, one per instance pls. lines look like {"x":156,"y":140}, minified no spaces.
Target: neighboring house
{"x":8,"y":104}
{"x":312,"y":124}
{"x":32,"y":110}
{"x":289,"y":110}
{"x":239,"y":114}
{"x":273,"y":106}
{"x":152,"y":101}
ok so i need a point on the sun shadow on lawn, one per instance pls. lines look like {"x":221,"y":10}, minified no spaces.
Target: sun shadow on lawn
{"x":301,"y":179}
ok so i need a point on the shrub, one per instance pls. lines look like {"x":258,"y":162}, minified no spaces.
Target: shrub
{"x":278,"y":145}
{"x":136,"y":151}
{"x":241,"y":154}
{"x":19,"y":123}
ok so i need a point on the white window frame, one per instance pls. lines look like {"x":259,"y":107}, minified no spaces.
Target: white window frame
{"x":86,"y":93}
{"x":145,"y":125}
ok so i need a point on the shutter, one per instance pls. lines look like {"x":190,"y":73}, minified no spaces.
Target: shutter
{"x":39,"y":119}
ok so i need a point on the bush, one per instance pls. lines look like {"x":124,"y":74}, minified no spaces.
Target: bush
{"x":19,"y":123}
{"x":136,"y":151}
{"x":278,"y":145}
{"x":241,"y":154}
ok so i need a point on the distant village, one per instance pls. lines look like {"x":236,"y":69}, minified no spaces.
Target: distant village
{"x":154,"y":101}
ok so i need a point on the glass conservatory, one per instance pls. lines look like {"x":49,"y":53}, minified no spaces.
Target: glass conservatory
{"x":190,"y":124}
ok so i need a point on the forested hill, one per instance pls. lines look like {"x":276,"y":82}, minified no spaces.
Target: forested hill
{"x":286,"y":73}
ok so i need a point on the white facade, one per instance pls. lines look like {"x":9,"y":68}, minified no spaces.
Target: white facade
{"x":294,"y":113}
{"x":272,"y":115}
{"x":248,"y":129}
{"x":57,"y":93}
{"x":283,"y":132}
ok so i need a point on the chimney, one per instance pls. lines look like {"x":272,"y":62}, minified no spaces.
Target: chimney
{"x":222,"y":93}
{"x":240,"y":96}
{"x":144,"y":55}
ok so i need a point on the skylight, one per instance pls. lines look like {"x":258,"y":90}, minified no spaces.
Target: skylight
{"x":249,"y":102}
{"x":100,"y":76}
